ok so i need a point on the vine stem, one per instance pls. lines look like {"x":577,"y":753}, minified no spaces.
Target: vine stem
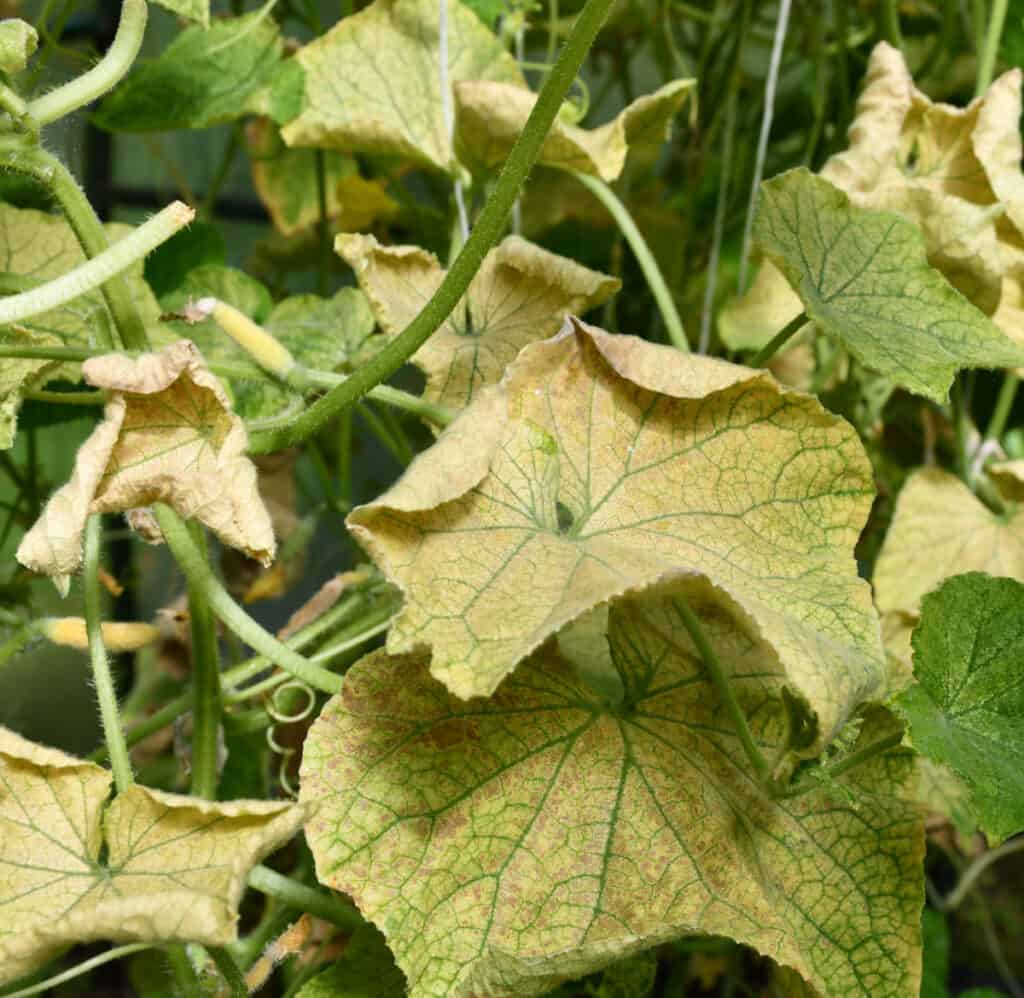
{"x":644,"y":257}
{"x":990,"y":46}
{"x":117,"y":953}
{"x":970,"y":876}
{"x":51,"y":173}
{"x":206,"y":704}
{"x":103,"y":76}
{"x":197,"y":573}
{"x":723,"y":687}
{"x":233,"y":977}
{"x":97,"y":271}
{"x":490,"y":226}
{"x":772,"y":347}
{"x":113,"y":733}
{"x":297,"y":895}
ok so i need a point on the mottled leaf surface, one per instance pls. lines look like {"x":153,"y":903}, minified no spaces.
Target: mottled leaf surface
{"x":966,"y":707}
{"x":520,"y":294}
{"x":148,"y":866}
{"x":600,"y":465}
{"x":864,"y":278}
{"x":17,"y":375}
{"x":372,"y":81}
{"x":506,"y":845}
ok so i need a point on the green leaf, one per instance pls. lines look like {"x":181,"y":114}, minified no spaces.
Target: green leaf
{"x":966,"y":708}
{"x":195,"y":246}
{"x":372,"y":81}
{"x":366,"y":970}
{"x":602,"y":463}
{"x":149,"y":866}
{"x":16,"y":375}
{"x":506,"y":845}
{"x":193,"y":10}
{"x":211,"y":280}
{"x":864,"y":278}
{"x":203,"y":78}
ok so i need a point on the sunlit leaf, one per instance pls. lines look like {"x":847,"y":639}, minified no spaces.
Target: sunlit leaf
{"x":372,"y":81}
{"x":168,"y":435}
{"x":603,"y":463}
{"x":149,"y":866}
{"x":520,"y":295}
{"x":490,"y":116}
{"x":204,"y":77}
{"x":864,"y":278}
{"x":503,"y":846}
{"x":966,"y":707}
{"x":940,"y":529}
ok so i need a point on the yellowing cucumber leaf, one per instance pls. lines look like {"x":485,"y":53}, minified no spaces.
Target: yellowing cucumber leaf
{"x":749,"y":321}
{"x":864,"y":278}
{"x":1009,"y":477}
{"x":505,"y":845}
{"x":152,"y":866}
{"x":193,"y":10}
{"x":18,"y":374}
{"x":601,"y":464}
{"x":372,"y":82}
{"x":997,"y":143}
{"x":966,"y":708}
{"x":520,"y":294}
{"x":490,"y":116}
{"x":168,"y":435}
{"x":940,"y":529}
{"x":204,"y":77}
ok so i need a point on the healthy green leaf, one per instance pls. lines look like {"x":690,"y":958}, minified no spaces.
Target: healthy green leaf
{"x":200,"y":244}
{"x":505,"y":845}
{"x":864,"y":278}
{"x":203,"y":78}
{"x":365,"y":970}
{"x":966,"y":708}
{"x":602,"y":463}
{"x":372,"y":81}
{"x":150,"y":866}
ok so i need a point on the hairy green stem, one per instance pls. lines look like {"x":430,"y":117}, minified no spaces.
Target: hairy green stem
{"x":103,"y":76}
{"x":48,"y":171}
{"x":489,"y":227}
{"x":233,"y":977}
{"x":113,"y":734}
{"x":85,"y":967}
{"x":297,"y":895}
{"x":1004,"y":406}
{"x":723,"y":687}
{"x":198,"y":574}
{"x":990,"y":46}
{"x":644,"y":257}
{"x":206,"y":706}
{"x":779,"y":340}
{"x":185,"y":976}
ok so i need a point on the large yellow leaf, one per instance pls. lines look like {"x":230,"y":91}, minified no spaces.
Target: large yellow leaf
{"x":520,"y":295}
{"x":602,"y":464}
{"x":490,"y":116}
{"x":17,"y":375}
{"x":150,"y":866}
{"x":505,"y":845}
{"x":997,"y":143}
{"x":168,"y":435}
{"x":372,"y":82}
{"x":940,"y":529}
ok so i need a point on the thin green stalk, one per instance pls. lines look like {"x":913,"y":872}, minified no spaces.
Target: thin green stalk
{"x":113,"y":734}
{"x":376,"y":425}
{"x":323,"y":231}
{"x":231,"y":149}
{"x":233,"y":977}
{"x":48,"y":171}
{"x":644,"y":257}
{"x":185,"y":976}
{"x":345,"y":459}
{"x":206,"y":705}
{"x":198,"y":574}
{"x":978,"y":866}
{"x":723,"y":687}
{"x":66,"y":398}
{"x":990,"y":46}
{"x":960,"y":430}
{"x":890,"y":23}
{"x":489,"y":228}
{"x":1004,"y":406}
{"x":85,"y":967}
{"x":837,"y":769}
{"x":779,"y":340}
{"x":296,"y":894}
{"x":275,"y":920}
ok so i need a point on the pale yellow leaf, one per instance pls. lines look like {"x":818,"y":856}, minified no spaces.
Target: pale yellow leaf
{"x":941,"y":529}
{"x":750,"y":320}
{"x":168,"y":435}
{"x":521,"y":294}
{"x":603,"y":463}
{"x":17,"y":375}
{"x":997,"y":143}
{"x":372,"y":81}
{"x":149,"y":866}
{"x":1009,"y":477}
{"x":490,"y":116}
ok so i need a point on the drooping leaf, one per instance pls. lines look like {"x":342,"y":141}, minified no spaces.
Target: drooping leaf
{"x":168,"y":435}
{"x":520,"y":294}
{"x":996,"y":141}
{"x":204,"y":77}
{"x":864,"y":278}
{"x":966,"y":708}
{"x":149,"y":866}
{"x":16,"y":375}
{"x":602,"y":463}
{"x":372,"y":81}
{"x":489,"y":117}
{"x":193,"y":10}
{"x":940,"y":529}
{"x":506,"y":845}
{"x":365,"y":970}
